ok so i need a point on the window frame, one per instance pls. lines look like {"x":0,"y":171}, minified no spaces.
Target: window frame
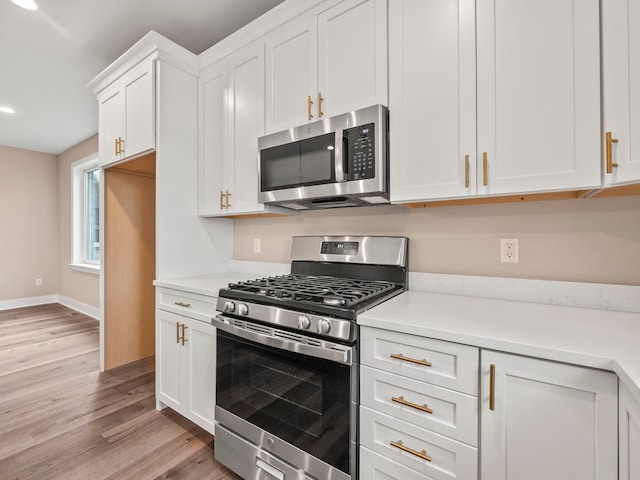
{"x":79,"y":171}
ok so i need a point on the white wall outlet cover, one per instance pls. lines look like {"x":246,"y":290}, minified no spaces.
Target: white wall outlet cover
{"x":509,"y":250}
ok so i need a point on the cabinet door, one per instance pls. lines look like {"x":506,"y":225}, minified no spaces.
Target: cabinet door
{"x":560,"y":421}
{"x":139,"y":110}
{"x":201,"y":340}
{"x":170,"y":360}
{"x":621,"y":87}
{"x":432,"y":99}
{"x":291,"y":72}
{"x":538,"y":74}
{"x":352,"y":56}
{"x":111,"y":118}
{"x":246,"y":122}
{"x":629,"y":435}
{"x":213,"y":134}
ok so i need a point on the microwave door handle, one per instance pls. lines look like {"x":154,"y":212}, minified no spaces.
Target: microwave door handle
{"x":340,"y":157}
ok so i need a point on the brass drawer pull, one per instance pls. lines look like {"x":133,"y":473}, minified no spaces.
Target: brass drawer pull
{"x":485,"y":169}
{"x":177,"y":332}
{"x":184,"y":327}
{"x":610,"y":141}
{"x":320,"y":100}
{"x":182,"y":304}
{"x":227,"y":203}
{"x":423,"y":454}
{"x":466,"y":171}
{"x":399,"y":356}
{"x":492,"y":387}
{"x":402,"y":401}
{"x":309,"y":104}
{"x":221,"y":199}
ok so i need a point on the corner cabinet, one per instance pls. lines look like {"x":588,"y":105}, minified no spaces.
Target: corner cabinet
{"x":127,"y":115}
{"x":502,"y":114}
{"x":629,"y":435}
{"x":186,"y":356}
{"x":231,"y":120}
{"x":621,"y":91}
{"x":560,"y":420}
{"x":333,"y":62}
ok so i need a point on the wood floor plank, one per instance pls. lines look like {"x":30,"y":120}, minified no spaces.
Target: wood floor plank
{"x":60,"y":418}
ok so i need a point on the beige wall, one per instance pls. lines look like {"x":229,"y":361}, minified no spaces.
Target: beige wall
{"x":80,"y":286}
{"x":28,"y":223}
{"x":595,"y":240}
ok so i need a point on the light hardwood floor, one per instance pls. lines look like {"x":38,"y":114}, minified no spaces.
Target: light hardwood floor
{"x":60,"y":418}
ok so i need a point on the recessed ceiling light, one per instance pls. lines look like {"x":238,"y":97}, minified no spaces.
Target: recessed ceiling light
{"x":27,"y":4}
{"x":5,"y":109}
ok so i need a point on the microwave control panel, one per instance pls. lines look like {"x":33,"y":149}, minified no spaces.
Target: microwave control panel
{"x":360,"y":151}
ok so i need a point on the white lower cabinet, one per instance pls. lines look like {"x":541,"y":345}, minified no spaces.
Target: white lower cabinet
{"x":185,"y":367}
{"x":546,"y":420}
{"x":419,"y":409}
{"x":629,"y":435}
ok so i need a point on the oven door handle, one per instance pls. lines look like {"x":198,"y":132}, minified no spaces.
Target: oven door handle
{"x":338,"y":354}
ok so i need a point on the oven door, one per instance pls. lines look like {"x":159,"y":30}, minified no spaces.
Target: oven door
{"x":296,"y":406}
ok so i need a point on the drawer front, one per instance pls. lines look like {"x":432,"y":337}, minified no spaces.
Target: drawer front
{"x":377,"y":467}
{"x":198,"y":307}
{"x":449,"y":459}
{"x":447,"y":412}
{"x":446,"y":364}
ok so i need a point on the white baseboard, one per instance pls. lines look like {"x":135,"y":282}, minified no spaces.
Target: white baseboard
{"x":66,"y":301}
{"x":93,"y":312}
{"x":27,"y":302}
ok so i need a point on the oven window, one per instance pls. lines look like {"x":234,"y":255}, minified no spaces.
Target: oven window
{"x":302,"y":163}
{"x":302,"y":400}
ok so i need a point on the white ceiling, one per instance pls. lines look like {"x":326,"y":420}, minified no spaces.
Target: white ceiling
{"x":48,"y":56}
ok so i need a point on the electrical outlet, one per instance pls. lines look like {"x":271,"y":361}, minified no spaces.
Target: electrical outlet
{"x":38,"y":282}
{"x":256,"y":245}
{"x":509,"y":250}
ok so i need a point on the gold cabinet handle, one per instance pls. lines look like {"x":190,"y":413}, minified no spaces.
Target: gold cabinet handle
{"x":399,"y":356}
{"x":423,"y":454}
{"x":121,"y":144}
{"x":184,"y":327}
{"x":466,"y":171}
{"x":117,"y":146}
{"x":492,"y":387}
{"x":485,"y":169}
{"x":309,"y":104}
{"x":182,"y":304}
{"x":227,"y":203}
{"x":221,"y":199}
{"x":177,"y":332}
{"x":402,"y":401}
{"x":320,"y":100}
{"x":610,"y":142}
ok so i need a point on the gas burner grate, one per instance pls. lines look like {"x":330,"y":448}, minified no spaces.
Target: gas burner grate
{"x":325,"y":290}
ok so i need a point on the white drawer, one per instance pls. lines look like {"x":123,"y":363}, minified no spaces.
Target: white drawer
{"x":198,"y":307}
{"x":377,"y":467}
{"x":450,"y":413}
{"x":449,"y":459}
{"x":450,"y":365}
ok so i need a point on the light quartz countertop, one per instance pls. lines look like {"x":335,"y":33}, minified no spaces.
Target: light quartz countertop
{"x":205,"y":284}
{"x":604,"y":339}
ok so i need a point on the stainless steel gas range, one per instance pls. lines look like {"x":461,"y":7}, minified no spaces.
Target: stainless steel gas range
{"x":287,"y":361}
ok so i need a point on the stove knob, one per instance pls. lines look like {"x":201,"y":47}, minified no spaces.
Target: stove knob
{"x":324,"y":326}
{"x":303,"y":322}
{"x":243,"y":309}
{"x":229,"y":307}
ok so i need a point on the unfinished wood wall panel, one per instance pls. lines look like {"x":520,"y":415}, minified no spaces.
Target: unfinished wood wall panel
{"x":129,"y":266}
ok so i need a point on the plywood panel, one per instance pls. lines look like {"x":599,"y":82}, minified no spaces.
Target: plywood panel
{"x":129,"y":267}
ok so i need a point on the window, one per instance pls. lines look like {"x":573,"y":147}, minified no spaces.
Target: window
{"x":86,"y":215}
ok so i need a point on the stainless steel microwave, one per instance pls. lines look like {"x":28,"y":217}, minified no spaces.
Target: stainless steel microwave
{"x":341,"y":161}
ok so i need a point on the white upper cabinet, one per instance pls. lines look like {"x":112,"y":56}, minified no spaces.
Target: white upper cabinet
{"x":538,"y":74}
{"x":328,"y":64}
{"x":621,"y":91}
{"x":629,"y":429}
{"x":525,"y":81}
{"x":432,"y":99}
{"x":127,"y":115}
{"x":231,"y":120}
{"x":541,"y":419}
